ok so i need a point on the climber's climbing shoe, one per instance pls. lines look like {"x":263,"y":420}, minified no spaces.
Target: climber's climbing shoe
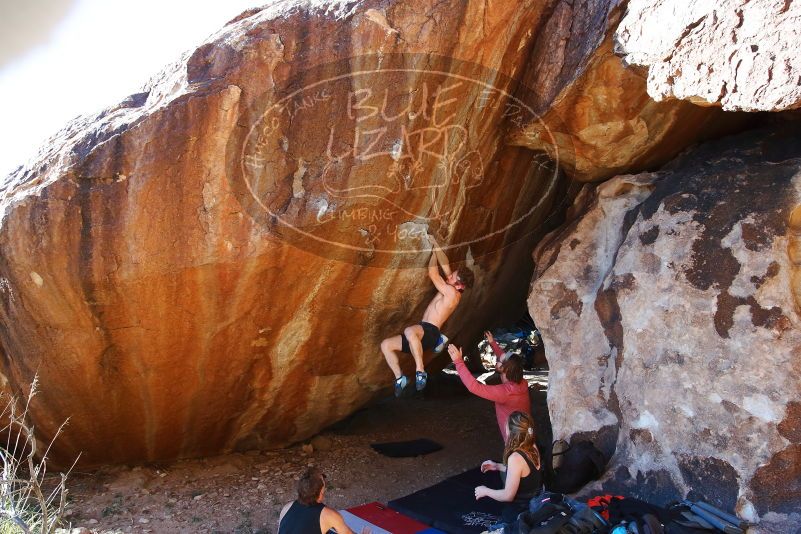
{"x":420,"y":379}
{"x":400,"y":385}
{"x":441,"y":344}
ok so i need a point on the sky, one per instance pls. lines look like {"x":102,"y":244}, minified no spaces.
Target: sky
{"x":63,"y":58}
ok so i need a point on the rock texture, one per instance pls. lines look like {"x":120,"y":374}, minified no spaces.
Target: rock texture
{"x":212,"y":264}
{"x":738,"y":54}
{"x":170,"y":267}
{"x":597,"y":118}
{"x":669,"y":312}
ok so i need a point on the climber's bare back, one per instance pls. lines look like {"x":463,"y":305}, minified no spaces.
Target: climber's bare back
{"x":442,"y":306}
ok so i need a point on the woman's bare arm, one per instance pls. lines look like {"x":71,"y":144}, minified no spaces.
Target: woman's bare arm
{"x":514,"y":472}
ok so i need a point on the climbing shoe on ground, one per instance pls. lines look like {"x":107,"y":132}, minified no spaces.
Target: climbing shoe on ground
{"x":443,"y":341}
{"x":400,"y":385}
{"x":420,"y":379}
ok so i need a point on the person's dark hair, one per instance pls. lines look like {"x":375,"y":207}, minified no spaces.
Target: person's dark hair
{"x":310,"y":485}
{"x":512,"y":368}
{"x":466,"y":276}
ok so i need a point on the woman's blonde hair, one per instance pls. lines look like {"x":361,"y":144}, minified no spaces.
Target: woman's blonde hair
{"x":521,"y":438}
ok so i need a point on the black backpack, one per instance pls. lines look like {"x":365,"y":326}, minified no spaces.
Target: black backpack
{"x":553,"y":513}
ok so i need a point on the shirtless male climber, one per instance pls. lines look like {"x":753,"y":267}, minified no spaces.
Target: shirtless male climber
{"x":426,"y":335}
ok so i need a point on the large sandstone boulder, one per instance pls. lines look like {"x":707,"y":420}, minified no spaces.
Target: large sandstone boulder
{"x":212,"y":264}
{"x":670,"y":315}
{"x":738,"y":54}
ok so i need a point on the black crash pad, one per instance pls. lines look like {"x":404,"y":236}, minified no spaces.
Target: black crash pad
{"x":451,"y":505}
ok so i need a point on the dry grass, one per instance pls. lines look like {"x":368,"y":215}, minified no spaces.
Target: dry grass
{"x":30,"y":500}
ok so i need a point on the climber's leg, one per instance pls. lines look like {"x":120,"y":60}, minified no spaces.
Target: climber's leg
{"x":414,"y":337}
{"x":390,"y":347}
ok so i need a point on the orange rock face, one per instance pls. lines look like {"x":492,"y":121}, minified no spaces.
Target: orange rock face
{"x":597,"y":109}
{"x":212,"y":264}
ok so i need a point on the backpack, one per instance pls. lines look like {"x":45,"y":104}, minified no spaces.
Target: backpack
{"x":600,"y":503}
{"x":634,"y":515}
{"x":631,"y":509}
{"x":647,"y":524}
{"x":553,"y":513}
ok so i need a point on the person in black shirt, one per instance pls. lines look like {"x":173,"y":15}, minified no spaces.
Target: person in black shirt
{"x":307,"y":514}
{"x":521,"y":468}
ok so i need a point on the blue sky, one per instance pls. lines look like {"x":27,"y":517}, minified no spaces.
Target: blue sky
{"x":62,"y":58}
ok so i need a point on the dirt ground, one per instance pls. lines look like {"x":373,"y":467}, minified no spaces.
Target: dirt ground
{"x":244,"y":493}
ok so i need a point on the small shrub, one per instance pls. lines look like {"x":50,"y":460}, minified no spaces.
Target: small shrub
{"x":26,"y":506}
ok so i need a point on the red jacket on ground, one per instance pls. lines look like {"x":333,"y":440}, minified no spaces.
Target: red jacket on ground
{"x":508,"y":397}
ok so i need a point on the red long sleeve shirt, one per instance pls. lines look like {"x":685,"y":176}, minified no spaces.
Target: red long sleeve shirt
{"x":508,"y":397}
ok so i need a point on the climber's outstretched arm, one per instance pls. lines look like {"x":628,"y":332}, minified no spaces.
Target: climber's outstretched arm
{"x":436,"y":252}
{"x":433,"y":273}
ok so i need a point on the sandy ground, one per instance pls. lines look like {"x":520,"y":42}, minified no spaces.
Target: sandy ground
{"x":243,"y":493}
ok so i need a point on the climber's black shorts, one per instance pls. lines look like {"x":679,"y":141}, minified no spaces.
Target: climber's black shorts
{"x":430,"y":338}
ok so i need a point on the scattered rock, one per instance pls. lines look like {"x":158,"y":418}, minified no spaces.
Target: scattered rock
{"x":129,"y":482}
{"x":321,"y":443}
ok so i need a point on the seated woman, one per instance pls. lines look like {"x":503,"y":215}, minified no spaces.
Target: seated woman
{"x":511,"y":395}
{"x":520,"y":470}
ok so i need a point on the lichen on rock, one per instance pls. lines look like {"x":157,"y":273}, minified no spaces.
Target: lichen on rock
{"x":684,"y":349}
